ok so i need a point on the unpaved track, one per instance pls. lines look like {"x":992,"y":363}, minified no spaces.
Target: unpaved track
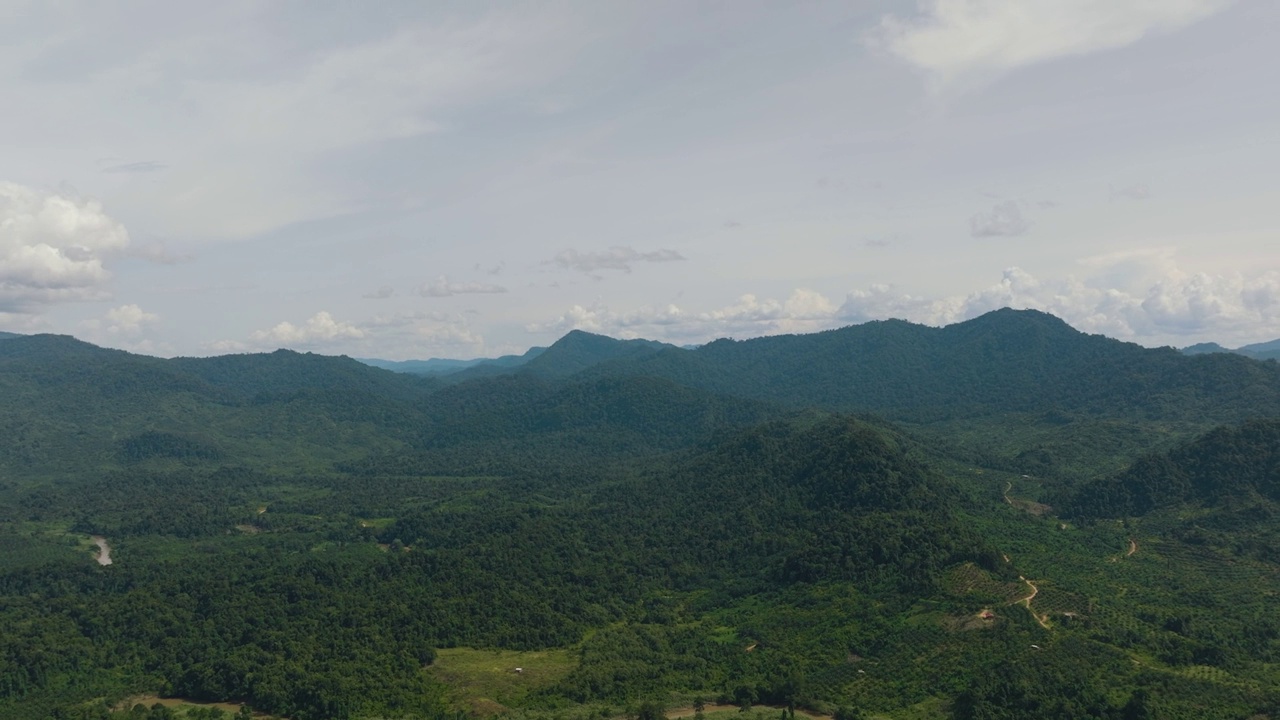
{"x":1026,"y":602}
{"x":104,"y":550}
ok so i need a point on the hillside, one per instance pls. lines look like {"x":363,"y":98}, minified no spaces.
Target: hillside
{"x":444,"y":366}
{"x":1051,"y":523}
{"x":1257,"y":351}
{"x":1225,"y":467}
{"x":1003,"y":362}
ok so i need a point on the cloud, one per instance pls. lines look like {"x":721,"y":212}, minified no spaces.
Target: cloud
{"x":615,"y":258}
{"x":382,"y":293}
{"x":951,"y":38}
{"x":1131,"y":192}
{"x":53,"y":248}
{"x":404,"y":335}
{"x":1143,"y":297}
{"x":1151,"y":301}
{"x":443,"y":287}
{"x":145,"y":166}
{"x":804,"y":311}
{"x":129,"y":320}
{"x":1003,"y":220}
{"x":319,"y":329}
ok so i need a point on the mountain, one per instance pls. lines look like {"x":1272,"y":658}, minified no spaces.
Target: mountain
{"x":580,"y":350}
{"x":1262,"y":351}
{"x":8,"y":335}
{"x":1204,"y":349}
{"x":1258,"y":351}
{"x":632,"y":522}
{"x":442,"y":366}
{"x":71,"y":407}
{"x":1007,"y":361}
{"x":1224,"y":467}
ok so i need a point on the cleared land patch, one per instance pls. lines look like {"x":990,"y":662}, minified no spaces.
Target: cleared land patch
{"x":489,"y":682}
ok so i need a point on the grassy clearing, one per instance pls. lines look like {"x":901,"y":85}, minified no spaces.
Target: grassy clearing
{"x":182,"y":706}
{"x":486,"y":682}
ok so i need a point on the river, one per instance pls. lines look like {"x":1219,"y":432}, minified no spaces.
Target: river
{"x":104,"y":550}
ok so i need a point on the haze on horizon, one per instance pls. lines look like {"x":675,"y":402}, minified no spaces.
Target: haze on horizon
{"x":410,"y":180}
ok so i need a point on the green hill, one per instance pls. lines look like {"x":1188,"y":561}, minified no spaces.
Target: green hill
{"x":1227,"y":466}
{"x":1003,"y":362}
{"x":1053,"y":528}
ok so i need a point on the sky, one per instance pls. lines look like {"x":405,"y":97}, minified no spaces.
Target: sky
{"x":421,"y":179}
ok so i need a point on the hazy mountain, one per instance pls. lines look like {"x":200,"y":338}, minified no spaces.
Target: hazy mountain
{"x":1002,"y":362}
{"x":1258,"y":351}
{"x":444,"y":366}
{"x":8,"y":335}
{"x":580,"y":350}
{"x":1204,"y":349}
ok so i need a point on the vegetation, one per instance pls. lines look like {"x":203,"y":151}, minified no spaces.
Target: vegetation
{"x":1057,"y":525}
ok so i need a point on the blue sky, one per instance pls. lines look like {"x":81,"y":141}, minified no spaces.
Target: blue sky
{"x":409,"y":180}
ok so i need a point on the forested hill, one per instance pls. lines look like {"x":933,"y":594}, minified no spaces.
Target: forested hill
{"x":284,"y":372}
{"x":70,"y":407}
{"x":1002,"y":362}
{"x":1257,"y":351}
{"x":8,"y":335}
{"x":581,"y":350}
{"x":1227,"y":466}
{"x":444,"y":366}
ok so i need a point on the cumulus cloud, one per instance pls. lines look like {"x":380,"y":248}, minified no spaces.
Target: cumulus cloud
{"x":951,"y":38}
{"x":615,"y":258}
{"x":1143,"y":297}
{"x":804,"y":311}
{"x":129,"y":320}
{"x":53,"y":248}
{"x":397,"y":335}
{"x":319,"y":329}
{"x":1003,"y":220}
{"x":443,"y":287}
{"x":382,"y":293}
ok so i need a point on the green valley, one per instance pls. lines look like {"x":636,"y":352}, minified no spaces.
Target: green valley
{"x":1002,"y":518}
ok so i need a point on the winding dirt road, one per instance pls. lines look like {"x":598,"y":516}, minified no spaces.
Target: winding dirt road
{"x":1026,"y":602}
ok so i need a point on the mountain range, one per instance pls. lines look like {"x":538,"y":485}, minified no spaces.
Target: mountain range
{"x":1004,"y":515}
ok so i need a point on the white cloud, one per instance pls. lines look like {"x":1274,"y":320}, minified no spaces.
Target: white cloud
{"x":1003,"y":220}
{"x":129,"y":320}
{"x":951,"y":38}
{"x":1145,"y":297}
{"x":443,"y":287}
{"x":804,"y":311}
{"x":403,"y":335}
{"x":53,"y":248}
{"x":319,"y":329}
{"x":615,"y":258}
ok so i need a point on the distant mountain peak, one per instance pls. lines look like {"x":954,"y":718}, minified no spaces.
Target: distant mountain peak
{"x":579,"y":350}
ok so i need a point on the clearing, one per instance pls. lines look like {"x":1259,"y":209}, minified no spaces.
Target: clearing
{"x":486,"y":682}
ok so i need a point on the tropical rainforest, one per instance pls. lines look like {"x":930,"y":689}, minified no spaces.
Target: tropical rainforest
{"x":1002,"y":518}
